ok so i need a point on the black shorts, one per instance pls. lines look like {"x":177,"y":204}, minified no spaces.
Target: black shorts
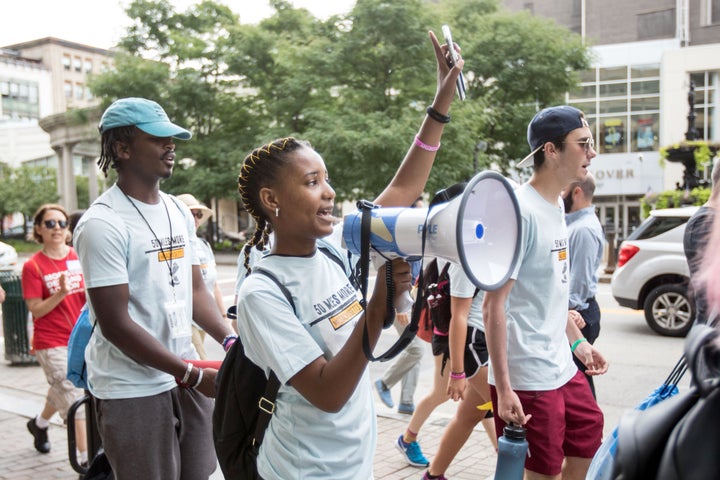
{"x":476,"y":352}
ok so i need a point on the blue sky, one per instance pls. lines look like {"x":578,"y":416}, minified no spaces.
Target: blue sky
{"x":100,"y":23}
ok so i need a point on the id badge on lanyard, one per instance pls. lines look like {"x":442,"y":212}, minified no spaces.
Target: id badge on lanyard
{"x":177,"y":319}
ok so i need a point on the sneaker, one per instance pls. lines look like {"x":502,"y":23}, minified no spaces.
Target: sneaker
{"x":42,"y":444}
{"x":384,"y":393}
{"x":412,"y":453}
{"x":406,"y":408}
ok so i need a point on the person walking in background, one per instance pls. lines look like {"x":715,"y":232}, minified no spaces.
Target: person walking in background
{"x":530,"y":335}
{"x":585,"y":243}
{"x":406,"y":366}
{"x":54,"y":291}
{"x":468,"y":370}
{"x":324,"y":423}
{"x":695,"y":242}
{"x":208,"y":268}
{"x":137,"y":249}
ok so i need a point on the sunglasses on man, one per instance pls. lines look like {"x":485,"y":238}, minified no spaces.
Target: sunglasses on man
{"x":587,"y":144}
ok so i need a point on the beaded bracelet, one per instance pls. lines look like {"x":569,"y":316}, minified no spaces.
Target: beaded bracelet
{"x":199,"y":379}
{"x":577,"y":342}
{"x":187,"y":373}
{"x":425,"y":146}
{"x":457,"y":375}
{"x":437,"y":116}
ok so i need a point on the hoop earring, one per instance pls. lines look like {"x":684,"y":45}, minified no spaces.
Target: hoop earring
{"x":277,"y":212}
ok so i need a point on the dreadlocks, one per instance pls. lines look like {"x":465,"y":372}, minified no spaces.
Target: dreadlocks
{"x":108,"y":156}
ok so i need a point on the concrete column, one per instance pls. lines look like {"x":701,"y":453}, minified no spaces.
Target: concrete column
{"x":60,"y":173}
{"x":69,"y":193}
{"x":92,"y":179}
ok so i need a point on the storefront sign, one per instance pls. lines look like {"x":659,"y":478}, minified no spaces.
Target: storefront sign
{"x":627,"y":173}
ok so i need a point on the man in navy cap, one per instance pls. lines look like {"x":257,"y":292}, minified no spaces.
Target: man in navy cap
{"x":144,"y":284}
{"x":531,"y":340}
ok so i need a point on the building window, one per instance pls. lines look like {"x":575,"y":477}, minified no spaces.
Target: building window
{"x":77,"y":64}
{"x":622,"y":106}
{"x":709,"y":12}
{"x":88,"y":94}
{"x":78,"y":91}
{"x":88,"y":65}
{"x":66,"y":62}
{"x":68,"y":89}
{"x":707,"y":98}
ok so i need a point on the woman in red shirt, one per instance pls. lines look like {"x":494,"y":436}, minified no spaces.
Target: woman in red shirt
{"x":54,"y":290}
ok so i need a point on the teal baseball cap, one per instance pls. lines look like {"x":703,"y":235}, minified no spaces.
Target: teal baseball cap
{"x":145,"y":114}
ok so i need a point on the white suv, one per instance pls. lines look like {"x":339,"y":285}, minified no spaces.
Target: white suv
{"x":652,"y":272}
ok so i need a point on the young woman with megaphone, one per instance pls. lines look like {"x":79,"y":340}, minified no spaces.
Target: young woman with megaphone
{"x":323,"y":424}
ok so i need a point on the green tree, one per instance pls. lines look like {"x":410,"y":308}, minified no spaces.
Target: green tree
{"x":26,"y":188}
{"x":356,"y":85}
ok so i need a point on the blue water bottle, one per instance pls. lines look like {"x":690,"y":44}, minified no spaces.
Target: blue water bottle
{"x":512,"y":448}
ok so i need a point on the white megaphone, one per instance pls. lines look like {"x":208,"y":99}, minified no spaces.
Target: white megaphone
{"x":479,"y":230}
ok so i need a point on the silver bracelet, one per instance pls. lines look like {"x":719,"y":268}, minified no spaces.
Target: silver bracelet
{"x":199,"y":379}
{"x":187,"y":373}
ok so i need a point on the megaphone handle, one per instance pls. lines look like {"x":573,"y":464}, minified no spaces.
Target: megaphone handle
{"x":390,"y":300}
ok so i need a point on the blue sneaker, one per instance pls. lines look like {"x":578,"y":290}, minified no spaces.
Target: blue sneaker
{"x":412,"y":453}
{"x":384,"y":393}
{"x":406,"y":408}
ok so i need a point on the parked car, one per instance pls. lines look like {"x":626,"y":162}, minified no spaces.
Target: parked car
{"x":652,"y":272}
{"x":8,"y":257}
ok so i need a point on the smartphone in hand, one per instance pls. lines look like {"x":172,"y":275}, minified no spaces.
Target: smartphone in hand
{"x":453,"y":54}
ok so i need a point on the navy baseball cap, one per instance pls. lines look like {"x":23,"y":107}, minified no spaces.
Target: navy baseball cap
{"x":549,"y":124}
{"x":145,"y":114}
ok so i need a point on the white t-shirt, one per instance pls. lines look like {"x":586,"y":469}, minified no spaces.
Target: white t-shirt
{"x":462,"y":287}
{"x":538,"y":353}
{"x":303,"y":441}
{"x":116,"y":246}
{"x":208,"y":267}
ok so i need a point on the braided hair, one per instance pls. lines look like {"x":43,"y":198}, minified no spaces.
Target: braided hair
{"x":108,"y":156}
{"x":261,"y":168}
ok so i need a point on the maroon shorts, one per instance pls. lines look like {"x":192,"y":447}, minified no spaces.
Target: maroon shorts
{"x":566,"y":422}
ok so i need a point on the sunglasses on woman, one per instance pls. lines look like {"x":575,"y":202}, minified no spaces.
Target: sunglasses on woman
{"x":50,"y":224}
{"x":197,"y":214}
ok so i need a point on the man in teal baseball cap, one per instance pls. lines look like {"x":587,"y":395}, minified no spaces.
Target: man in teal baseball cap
{"x":145,"y":287}
{"x":145,"y":114}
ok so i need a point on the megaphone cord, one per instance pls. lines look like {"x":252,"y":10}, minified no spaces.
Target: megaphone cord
{"x":390,"y":300}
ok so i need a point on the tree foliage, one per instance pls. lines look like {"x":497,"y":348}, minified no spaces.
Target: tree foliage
{"x":356,"y":86}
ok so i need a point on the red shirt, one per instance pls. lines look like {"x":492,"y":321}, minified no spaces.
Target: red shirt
{"x":41,"y":279}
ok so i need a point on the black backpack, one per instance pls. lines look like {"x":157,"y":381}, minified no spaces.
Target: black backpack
{"x":245,"y":401}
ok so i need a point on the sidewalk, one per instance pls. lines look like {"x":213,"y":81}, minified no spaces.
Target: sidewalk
{"x":22,"y":393}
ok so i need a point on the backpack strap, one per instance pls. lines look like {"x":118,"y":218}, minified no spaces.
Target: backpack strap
{"x":277,"y":282}
{"x":267,"y":408}
{"x":266,"y":403}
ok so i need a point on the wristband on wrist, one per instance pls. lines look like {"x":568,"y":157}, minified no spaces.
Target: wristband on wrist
{"x":437,"y":116}
{"x":199,"y":379}
{"x":425,"y":146}
{"x":457,"y":375}
{"x":188,"y":371}
{"x":228,"y":341}
{"x":577,"y":342}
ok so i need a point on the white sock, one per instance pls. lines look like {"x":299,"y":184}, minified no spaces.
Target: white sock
{"x":41,"y":422}
{"x":82,"y":456}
